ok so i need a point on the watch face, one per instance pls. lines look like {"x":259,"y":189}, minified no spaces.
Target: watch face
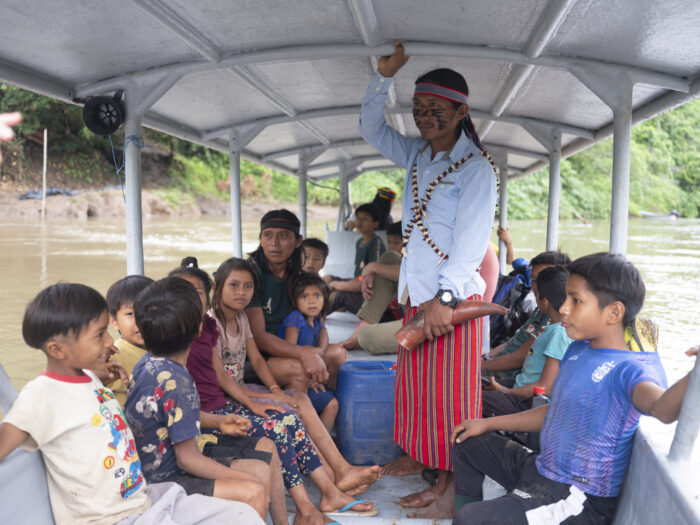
{"x":446,"y":296}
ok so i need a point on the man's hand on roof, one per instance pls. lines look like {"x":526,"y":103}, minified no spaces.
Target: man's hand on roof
{"x":389,"y":65}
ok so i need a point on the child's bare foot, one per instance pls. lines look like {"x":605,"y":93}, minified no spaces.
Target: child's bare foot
{"x":337,"y":500}
{"x":311,"y":517}
{"x":355,"y":477}
{"x":403,"y":466}
{"x":357,"y":490}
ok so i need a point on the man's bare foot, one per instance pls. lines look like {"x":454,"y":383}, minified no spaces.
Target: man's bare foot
{"x":403,"y":466}
{"x":420,"y":499}
{"x":350,"y":343}
{"x":356,"y":477}
{"x":443,"y":483}
{"x":442,"y":508}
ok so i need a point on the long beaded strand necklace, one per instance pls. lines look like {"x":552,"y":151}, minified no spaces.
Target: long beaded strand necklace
{"x":420,"y":205}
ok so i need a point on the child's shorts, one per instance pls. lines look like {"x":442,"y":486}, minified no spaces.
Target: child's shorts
{"x":319,"y":399}
{"x":224,"y":452}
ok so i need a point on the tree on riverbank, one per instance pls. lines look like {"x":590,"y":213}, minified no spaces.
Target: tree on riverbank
{"x":665,"y":165}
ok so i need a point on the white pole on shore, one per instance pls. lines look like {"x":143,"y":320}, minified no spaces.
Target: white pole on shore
{"x":43,"y":180}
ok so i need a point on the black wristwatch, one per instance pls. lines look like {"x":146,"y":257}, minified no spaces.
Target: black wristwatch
{"x":446,"y":298}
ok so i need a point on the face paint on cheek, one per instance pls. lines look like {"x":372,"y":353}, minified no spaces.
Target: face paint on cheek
{"x":439,"y":116}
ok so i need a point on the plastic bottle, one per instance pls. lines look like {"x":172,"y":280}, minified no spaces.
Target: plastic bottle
{"x":538,"y":399}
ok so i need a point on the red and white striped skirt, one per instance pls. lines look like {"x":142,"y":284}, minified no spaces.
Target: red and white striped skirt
{"x":438,"y":385}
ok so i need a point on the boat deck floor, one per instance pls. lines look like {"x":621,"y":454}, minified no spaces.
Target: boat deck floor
{"x":386,"y":492}
{"x":385,"y":495}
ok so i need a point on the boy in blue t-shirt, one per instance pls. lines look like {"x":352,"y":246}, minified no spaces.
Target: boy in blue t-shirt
{"x":542,"y":362}
{"x":586,"y":432}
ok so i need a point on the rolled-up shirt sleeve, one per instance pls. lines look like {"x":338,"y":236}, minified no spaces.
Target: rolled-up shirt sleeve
{"x":477,"y":205}
{"x":374,"y":129}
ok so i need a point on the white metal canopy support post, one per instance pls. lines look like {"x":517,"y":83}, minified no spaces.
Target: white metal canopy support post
{"x":343,"y":199}
{"x":619,"y":207}
{"x":303,"y":175}
{"x":550,"y":138}
{"x":501,"y":160}
{"x":235,"y":196}
{"x":615,"y":89}
{"x":132,"y":169}
{"x":346,"y":170}
{"x":237,"y":141}
{"x":139,"y":96}
{"x":554,"y":191}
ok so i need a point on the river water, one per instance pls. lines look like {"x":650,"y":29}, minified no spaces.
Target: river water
{"x":35,"y":255}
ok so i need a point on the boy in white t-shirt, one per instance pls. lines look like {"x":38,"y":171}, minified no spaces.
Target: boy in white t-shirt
{"x":94,"y":472}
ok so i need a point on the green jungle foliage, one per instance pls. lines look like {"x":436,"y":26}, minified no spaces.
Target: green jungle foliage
{"x":665,"y":165}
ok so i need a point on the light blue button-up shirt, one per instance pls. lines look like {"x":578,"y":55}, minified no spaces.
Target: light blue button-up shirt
{"x":460,"y":211}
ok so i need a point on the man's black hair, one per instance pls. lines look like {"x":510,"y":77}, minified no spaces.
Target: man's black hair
{"x":551,"y":258}
{"x":551,"y":285}
{"x":395,"y":229}
{"x":60,"y":309}
{"x":312,"y":242}
{"x":258,"y":255}
{"x":611,"y":277}
{"x":453,"y":80}
{"x":370,"y":209}
{"x":125,"y":291}
{"x":168,"y":314}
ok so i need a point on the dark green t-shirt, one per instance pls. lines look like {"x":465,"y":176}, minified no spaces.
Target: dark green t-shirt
{"x":367,"y":253}
{"x":272,"y":296}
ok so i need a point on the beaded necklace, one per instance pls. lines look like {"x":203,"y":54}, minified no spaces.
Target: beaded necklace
{"x":420,"y":205}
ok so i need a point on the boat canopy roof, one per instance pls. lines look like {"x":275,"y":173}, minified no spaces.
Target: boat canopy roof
{"x":283,"y":81}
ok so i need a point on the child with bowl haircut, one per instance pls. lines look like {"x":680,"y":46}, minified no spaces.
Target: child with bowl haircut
{"x":314,"y":253}
{"x":94,"y":472}
{"x":600,"y":393}
{"x":120,"y":304}
{"x":162,"y":405}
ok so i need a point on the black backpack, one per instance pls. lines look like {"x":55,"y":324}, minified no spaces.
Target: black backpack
{"x":510,"y":293}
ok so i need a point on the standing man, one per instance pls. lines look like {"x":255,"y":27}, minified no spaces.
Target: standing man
{"x":448,"y":209}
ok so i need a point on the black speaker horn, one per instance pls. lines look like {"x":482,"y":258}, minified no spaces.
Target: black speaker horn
{"x":104,"y":115}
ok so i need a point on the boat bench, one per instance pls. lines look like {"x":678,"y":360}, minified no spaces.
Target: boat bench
{"x":24,"y":492}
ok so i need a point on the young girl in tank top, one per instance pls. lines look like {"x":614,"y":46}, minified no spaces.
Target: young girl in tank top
{"x":309,"y":297}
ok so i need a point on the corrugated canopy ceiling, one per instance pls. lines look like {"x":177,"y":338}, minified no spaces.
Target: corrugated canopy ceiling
{"x":286,"y":78}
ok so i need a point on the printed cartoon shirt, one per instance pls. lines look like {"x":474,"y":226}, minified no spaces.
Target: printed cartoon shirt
{"x":232,"y":345}
{"x":586,"y":438}
{"x":94,"y":472}
{"x":162,"y":408}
